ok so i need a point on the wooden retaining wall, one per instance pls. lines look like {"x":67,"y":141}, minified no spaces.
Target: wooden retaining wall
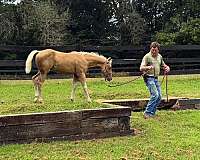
{"x":173,"y":103}
{"x":65,"y":125}
{"x":140,"y":104}
{"x":182,"y":104}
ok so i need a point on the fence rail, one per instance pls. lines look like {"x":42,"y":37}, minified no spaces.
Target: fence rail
{"x":14,"y":69}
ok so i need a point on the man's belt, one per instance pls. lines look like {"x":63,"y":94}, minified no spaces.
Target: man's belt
{"x":147,"y":76}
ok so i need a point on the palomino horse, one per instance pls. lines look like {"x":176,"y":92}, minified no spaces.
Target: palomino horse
{"x":74,"y":62}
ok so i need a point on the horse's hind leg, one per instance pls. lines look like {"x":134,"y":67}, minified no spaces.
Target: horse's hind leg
{"x":38,"y":79}
{"x":74,"y":85}
{"x":36,"y":83}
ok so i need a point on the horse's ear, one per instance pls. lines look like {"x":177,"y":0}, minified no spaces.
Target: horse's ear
{"x":109,"y":60}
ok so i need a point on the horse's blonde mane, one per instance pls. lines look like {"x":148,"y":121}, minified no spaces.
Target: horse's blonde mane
{"x":90,"y":53}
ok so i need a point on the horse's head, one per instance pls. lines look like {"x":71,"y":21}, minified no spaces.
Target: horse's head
{"x":107,"y":69}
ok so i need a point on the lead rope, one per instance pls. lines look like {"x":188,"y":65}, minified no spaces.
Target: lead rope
{"x":116,"y":85}
{"x":166,"y":87}
{"x":165,"y":76}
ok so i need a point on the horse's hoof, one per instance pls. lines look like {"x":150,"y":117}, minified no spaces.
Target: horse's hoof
{"x":89,"y":101}
{"x":35,"y":100}
{"x":2,"y":101}
{"x":38,"y":100}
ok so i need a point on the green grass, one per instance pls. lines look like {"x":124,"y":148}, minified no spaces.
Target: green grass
{"x":173,"y":135}
{"x":17,"y":96}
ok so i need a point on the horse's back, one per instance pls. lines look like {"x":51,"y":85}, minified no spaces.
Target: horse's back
{"x":71,"y":62}
{"x":45,"y":53}
{"x":62,"y":62}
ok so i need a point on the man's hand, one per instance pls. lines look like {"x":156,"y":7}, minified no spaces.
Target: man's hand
{"x":146,"y":68}
{"x":149,"y":67}
{"x":166,"y":68}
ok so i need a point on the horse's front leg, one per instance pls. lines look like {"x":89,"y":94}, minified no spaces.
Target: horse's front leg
{"x":84,"y":85}
{"x":86,"y":91}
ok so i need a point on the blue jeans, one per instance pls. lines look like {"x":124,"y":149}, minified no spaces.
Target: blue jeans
{"x":155,"y":95}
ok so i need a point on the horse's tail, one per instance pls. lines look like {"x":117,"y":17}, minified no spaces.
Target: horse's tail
{"x":29,"y":61}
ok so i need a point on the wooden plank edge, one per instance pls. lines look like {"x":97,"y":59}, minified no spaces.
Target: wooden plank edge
{"x":91,"y":136}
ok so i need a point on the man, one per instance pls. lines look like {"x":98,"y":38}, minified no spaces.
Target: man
{"x":150,"y":66}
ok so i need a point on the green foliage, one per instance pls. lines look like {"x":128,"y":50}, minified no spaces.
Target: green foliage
{"x":165,"y":38}
{"x":155,"y":12}
{"x":98,"y":22}
{"x":8,"y":29}
{"x":51,"y":24}
{"x":27,"y":20}
{"x":189,"y":33}
{"x":167,"y":17}
{"x":90,"y":21}
{"x":41,"y":23}
{"x":129,"y":24}
{"x":137,"y":28}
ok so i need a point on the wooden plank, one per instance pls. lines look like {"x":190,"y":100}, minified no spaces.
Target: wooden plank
{"x":140,"y":104}
{"x":73,"y":137}
{"x":13,"y":71}
{"x":106,"y":112}
{"x":36,"y":118}
{"x":125,"y":61}
{"x":64,"y":125}
{"x":182,"y":60}
{"x":188,"y":101}
{"x":186,"y":71}
{"x":197,"y":106}
{"x":45,"y":130}
{"x":124,"y":124}
{"x":180,"y":47}
{"x":120,"y":124}
{"x":125,"y":69}
{"x":98,"y":125}
{"x":20,"y":49}
{"x":183,"y":104}
{"x":185,"y":66}
{"x":119,"y":65}
{"x":12,"y":63}
{"x":173,"y":103}
{"x":27,"y":49}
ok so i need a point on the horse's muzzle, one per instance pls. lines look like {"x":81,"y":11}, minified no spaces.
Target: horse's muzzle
{"x":108,"y":79}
